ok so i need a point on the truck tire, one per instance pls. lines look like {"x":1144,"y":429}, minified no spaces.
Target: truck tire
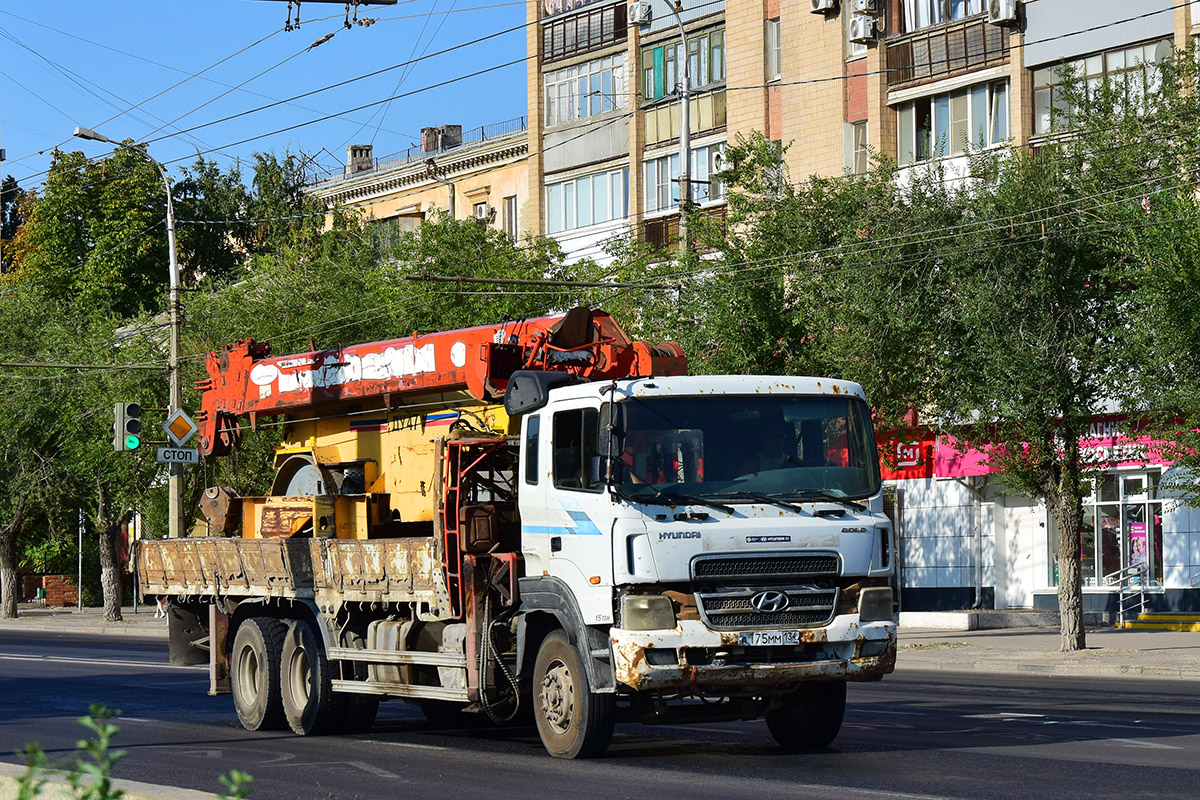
{"x":309,"y":703}
{"x":254,"y":673}
{"x":572,"y":720}
{"x":810,"y":717}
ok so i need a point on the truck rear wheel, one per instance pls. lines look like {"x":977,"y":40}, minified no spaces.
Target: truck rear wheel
{"x":309,"y":703}
{"x":810,"y":717}
{"x":254,"y":673}
{"x":572,"y":720}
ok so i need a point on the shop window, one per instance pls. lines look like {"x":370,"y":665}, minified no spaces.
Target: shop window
{"x":919,"y":14}
{"x":1132,"y":71}
{"x":661,"y":178}
{"x":585,"y":90}
{"x":661,"y":63}
{"x":948,"y":124}
{"x":773,"y":40}
{"x":576,"y":456}
{"x":587,"y":200}
{"x":1122,"y":528}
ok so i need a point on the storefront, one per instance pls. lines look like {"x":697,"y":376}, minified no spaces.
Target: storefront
{"x":964,"y":541}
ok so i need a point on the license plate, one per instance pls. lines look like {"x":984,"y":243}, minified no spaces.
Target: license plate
{"x":761,"y":638}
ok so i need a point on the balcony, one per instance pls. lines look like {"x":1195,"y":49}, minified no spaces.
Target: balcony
{"x":945,"y":50}
{"x":663,"y":232}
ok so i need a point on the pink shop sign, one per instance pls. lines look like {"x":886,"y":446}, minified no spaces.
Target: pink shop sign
{"x":1108,"y":443}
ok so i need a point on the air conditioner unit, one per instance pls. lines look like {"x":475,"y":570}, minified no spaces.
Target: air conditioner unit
{"x":484,"y":212}
{"x":824,"y":6}
{"x":871,"y":7}
{"x":640,"y":14}
{"x":1002,"y":12}
{"x":862,"y":29}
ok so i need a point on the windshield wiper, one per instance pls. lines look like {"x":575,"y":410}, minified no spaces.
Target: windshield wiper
{"x":823,"y":494}
{"x":671,"y":497}
{"x":766,"y":498}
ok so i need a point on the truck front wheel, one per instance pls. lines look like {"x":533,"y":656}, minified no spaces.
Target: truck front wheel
{"x":810,"y":717}
{"x":308,"y":699}
{"x":254,"y":673}
{"x":572,"y":720}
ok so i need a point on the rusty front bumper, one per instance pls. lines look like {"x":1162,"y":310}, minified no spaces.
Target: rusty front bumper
{"x":692,"y":655}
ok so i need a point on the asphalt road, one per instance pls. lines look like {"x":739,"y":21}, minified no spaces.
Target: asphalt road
{"x":916,"y":734}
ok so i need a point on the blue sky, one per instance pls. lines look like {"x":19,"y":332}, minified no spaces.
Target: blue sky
{"x":74,"y":62}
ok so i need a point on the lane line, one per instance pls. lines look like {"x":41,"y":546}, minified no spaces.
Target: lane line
{"x":102,"y":661}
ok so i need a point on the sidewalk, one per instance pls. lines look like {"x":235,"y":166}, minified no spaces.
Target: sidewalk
{"x":1111,"y":652}
{"x":36,"y":617}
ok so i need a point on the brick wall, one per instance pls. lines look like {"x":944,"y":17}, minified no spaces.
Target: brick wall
{"x":60,"y":590}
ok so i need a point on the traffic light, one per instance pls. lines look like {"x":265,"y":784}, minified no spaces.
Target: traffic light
{"x":127,"y":424}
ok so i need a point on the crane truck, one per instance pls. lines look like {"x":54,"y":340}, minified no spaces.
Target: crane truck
{"x":539,"y":519}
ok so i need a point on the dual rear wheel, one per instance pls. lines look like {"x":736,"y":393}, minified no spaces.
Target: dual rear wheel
{"x":282,"y":678}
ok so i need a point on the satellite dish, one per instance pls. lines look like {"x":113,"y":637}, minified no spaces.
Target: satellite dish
{"x":1164,"y":52}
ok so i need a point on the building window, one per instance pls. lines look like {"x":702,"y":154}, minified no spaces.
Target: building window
{"x":583,"y":32}
{"x":585,"y":90}
{"x":1122,"y":529}
{"x":662,"y":178}
{"x":1132,"y":71}
{"x":947,"y":124}
{"x":774,"y":49}
{"x":706,"y":63}
{"x":923,"y":13}
{"x":589,"y":200}
{"x":860,"y":156}
{"x":385,"y":234}
{"x":510,"y":217}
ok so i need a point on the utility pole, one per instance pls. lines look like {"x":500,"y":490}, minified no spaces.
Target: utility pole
{"x":175,"y":475}
{"x":685,"y":137}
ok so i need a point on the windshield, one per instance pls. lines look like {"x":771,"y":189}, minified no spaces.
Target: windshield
{"x":747,"y":448}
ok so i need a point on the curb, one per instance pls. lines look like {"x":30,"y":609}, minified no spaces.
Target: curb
{"x":56,"y":786}
{"x":1055,"y":669}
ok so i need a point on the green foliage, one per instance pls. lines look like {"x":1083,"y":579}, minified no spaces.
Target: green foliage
{"x":238,"y":785}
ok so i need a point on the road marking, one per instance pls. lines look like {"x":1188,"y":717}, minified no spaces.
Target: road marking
{"x":104,"y":661}
{"x":890,"y":713}
{"x":370,"y":769}
{"x":1013,"y":715}
{"x":410,"y":745}
{"x":1147,"y":745}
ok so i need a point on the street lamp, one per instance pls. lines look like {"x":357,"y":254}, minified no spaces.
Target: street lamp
{"x":175,"y":476}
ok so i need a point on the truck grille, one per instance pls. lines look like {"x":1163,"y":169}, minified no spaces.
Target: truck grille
{"x":807,"y":606}
{"x":760,"y":567}
{"x":727,"y":585}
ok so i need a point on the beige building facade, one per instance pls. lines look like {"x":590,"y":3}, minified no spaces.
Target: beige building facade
{"x":481,"y":173}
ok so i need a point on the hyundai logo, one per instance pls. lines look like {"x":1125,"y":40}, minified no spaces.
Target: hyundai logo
{"x":769,"y":602}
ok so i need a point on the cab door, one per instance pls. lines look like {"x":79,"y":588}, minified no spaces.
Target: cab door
{"x":566,"y":511}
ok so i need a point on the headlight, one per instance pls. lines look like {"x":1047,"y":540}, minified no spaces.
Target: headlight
{"x":874,"y":605}
{"x":647,"y":612}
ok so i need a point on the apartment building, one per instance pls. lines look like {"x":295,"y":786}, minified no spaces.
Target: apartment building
{"x":480,"y":173}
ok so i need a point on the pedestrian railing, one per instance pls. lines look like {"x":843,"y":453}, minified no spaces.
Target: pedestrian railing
{"x":1131,"y":599}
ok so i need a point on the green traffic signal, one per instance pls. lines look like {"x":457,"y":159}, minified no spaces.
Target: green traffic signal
{"x":127,"y":424}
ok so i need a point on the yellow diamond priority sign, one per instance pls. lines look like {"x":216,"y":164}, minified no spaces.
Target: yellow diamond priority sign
{"x":180,"y":427}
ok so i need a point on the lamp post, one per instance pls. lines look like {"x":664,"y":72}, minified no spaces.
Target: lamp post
{"x":685,"y":135}
{"x":175,"y":476}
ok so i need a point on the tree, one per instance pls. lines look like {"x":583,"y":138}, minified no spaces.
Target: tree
{"x":997,"y":306}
